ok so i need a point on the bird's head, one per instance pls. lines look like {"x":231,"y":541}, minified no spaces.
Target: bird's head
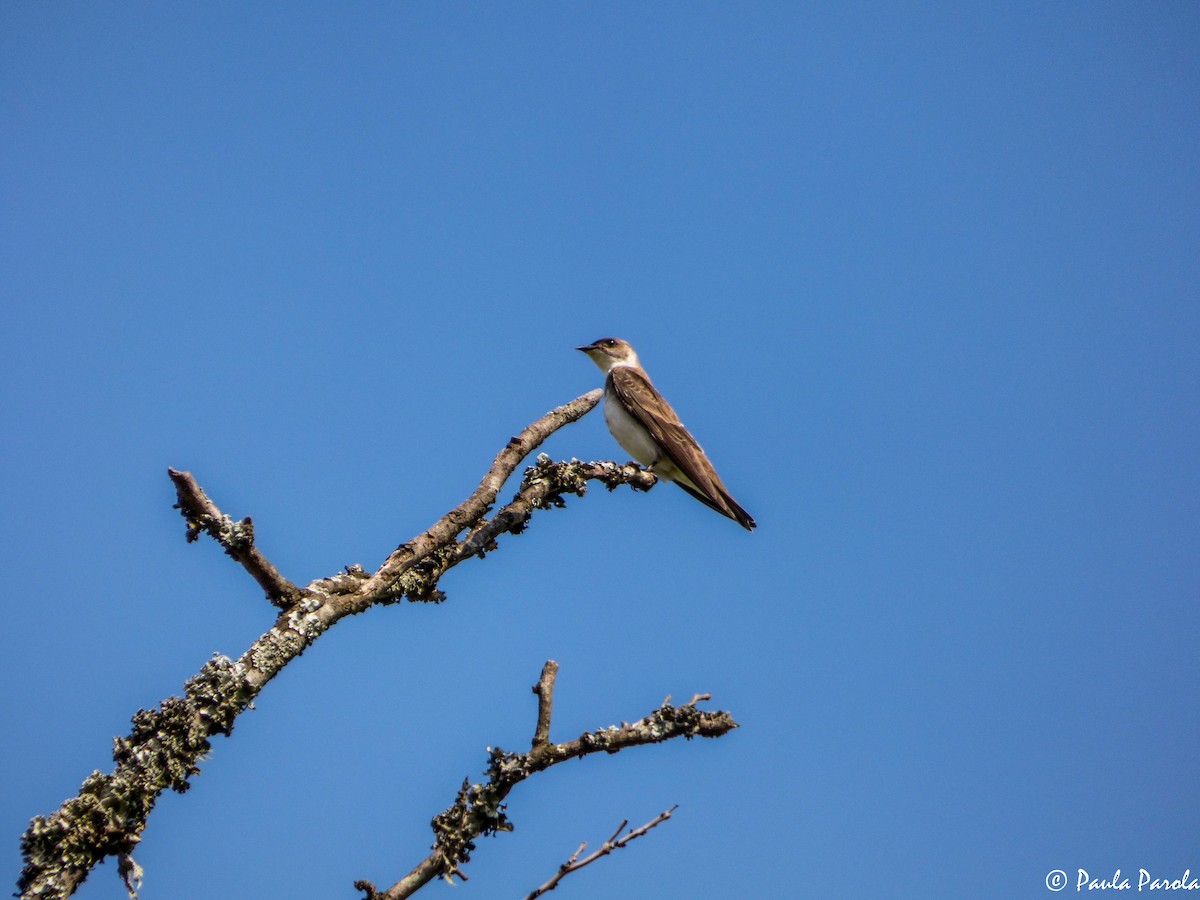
{"x":609,"y":352}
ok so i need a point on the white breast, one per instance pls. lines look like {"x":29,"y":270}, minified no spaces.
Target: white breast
{"x":629,"y":432}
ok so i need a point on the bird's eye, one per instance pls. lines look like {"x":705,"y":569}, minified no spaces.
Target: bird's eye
{"x":610,"y":343}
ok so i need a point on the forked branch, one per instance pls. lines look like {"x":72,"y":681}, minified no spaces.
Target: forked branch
{"x":166,"y":745}
{"x":616,"y":842}
{"x":479,"y":809}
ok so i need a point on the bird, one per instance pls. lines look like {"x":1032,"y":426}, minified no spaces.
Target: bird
{"x":649,"y":430}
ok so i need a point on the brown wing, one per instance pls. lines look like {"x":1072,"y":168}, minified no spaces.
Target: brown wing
{"x":641,"y":398}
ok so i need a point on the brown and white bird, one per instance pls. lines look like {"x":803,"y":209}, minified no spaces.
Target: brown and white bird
{"x":649,"y":430}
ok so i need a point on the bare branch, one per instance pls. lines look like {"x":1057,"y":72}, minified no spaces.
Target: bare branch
{"x":479,"y":809}
{"x":574,"y":863}
{"x":474,"y":507}
{"x":166,"y":745}
{"x":545,"y":694}
{"x":544,"y":486}
{"x":201,"y":514}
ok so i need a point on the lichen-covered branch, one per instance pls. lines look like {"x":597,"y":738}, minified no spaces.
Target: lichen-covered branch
{"x":108,"y":815}
{"x":468,"y":513}
{"x":616,"y":842}
{"x":544,"y":486}
{"x":166,"y":745}
{"x":479,"y":809}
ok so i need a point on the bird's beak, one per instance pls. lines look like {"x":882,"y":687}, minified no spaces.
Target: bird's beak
{"x":586,"y":348}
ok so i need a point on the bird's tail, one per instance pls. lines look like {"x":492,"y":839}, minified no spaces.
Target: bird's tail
{"x":727,"y":507}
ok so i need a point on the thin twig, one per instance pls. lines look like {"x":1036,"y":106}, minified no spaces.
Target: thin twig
{"x":574,"y":864}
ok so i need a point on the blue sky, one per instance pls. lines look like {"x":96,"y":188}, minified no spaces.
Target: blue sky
{"x":922,"y":278}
